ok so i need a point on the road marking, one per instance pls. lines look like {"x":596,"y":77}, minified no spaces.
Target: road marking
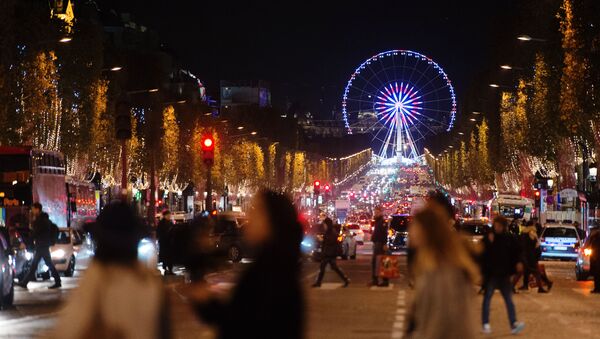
{"x":379,"y":288}
{"x":330,"y":286}
{"x":398,"y":326}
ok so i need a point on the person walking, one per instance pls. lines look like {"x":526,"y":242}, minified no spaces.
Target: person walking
{"x":329,"y":253}
{"x":118,"y":297}
{"x":500,"y":258}
{"x":44,"y":235}
{"x":531,"y":248}
{"x":164,"y":233}
{"x":268,"y":300}
{"x":595,"y":258}
{"x":445,"y":274}
{"x":379,"y":239}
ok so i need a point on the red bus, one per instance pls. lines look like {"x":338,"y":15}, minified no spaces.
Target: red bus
{"x":29,"y":175}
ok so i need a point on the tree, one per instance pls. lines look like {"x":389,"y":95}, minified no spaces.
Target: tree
{"x":473,"y":159}
{"x":542,"y":131}
{"x":170,"y":143}
{"x":485,"y":168}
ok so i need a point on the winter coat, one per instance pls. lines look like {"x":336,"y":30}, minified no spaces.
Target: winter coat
{"x":530,"y":247}
{"x":380,"y":231}
{"x":442,"y":307}
{"x":500,"y":256}
{"x":165,"y":237}
{"x":115,"y":301}
{"x":267,"y":302}
{"x":330,"y":246}
{"x":595,"y":257}
{"x":42,"y":233}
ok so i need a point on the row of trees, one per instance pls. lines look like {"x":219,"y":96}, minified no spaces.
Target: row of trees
{"x":548,"y":122}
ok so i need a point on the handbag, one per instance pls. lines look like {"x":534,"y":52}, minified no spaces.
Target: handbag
{"x":388,"y":266}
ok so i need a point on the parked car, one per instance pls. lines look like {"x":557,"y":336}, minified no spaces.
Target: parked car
{"x":560,"y":241}
{"x":582,"y":265}
{"x":7,"y":273}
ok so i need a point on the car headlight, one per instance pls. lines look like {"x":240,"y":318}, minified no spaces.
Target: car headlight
{"x":59,"y":253}
{"x":28,"y":255}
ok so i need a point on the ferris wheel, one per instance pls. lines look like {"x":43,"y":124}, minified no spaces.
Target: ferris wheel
{"x":400,"y":98}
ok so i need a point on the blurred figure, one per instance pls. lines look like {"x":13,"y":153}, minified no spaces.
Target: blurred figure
{"x":530,"y":245}
{"x":43,"y":235}
{"x":379,"y":239}
{"x":500,"y":258}
{"x":595,"y":258}
{"x":268,"y":300}
{"x":164,"y":233}
{"x":329,"y":252}
{"x":514,"y":227}
{"x":444,"y":275}
{"x":118,"y":297}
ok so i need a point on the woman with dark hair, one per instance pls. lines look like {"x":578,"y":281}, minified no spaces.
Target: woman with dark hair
{"x":268,"y":300}
{"x":118,"y":296}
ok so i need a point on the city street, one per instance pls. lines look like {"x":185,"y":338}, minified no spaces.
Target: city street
{"x":354,"y":312}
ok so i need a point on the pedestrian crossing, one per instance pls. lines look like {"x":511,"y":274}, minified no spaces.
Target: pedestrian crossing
{"x":398,"y":325}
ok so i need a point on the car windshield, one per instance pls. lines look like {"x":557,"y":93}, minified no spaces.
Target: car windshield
{"x":473,"y":229}
{"x":64,"y":237}
{"x":560,"y":232}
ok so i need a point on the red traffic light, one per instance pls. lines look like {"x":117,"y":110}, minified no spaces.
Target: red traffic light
{"x":327,"y":188}
{"x":537,"y":194}
{"x":317,"y":183}
{"x":208,"y":143}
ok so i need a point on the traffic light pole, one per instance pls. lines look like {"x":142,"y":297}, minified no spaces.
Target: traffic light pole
{"x":208,"y":202}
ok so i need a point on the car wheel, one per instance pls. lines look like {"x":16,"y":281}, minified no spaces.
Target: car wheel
{"x":234,"y":254}
{"x":71,"y":268}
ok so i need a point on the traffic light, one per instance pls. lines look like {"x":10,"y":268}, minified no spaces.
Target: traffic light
{"x":208,"y":149}
{"x":317,"y":187}
{"x":123,"y":120}
{"x":327,"y":188}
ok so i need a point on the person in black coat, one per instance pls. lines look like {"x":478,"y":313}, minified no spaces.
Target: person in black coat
{"x":329,"y":252}
{"x":499,"y":261}
{"x":42,"y":237}
{"x":379,"y":239}
{"x":268,"y":300}
{"x":164,"y":233}
{"x":595,"y":258}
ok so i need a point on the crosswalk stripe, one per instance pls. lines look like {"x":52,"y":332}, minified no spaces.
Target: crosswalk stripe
{"x":397,"y":335}
{"x":399,"y":325}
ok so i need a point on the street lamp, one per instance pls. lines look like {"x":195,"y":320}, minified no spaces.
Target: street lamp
{"x":253,"y":132}
{"x":473,"y":119}
{"x":524,"y":37}
{"x":461,"y":133}
{"x":506,"y":67}
{"x":476,"y":113}
{"x":65,"y":40}
{"x":240,"y":128}
{"x":494,"y":85}
{"x":116,"y":68}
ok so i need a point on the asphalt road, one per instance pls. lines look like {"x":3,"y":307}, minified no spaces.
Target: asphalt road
{"x":358,"y":311}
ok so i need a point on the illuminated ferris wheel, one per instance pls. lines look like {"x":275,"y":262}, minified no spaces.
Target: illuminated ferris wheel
{"x":400,"y":98}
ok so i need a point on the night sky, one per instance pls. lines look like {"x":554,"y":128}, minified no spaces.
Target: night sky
{"x":309,"y":50}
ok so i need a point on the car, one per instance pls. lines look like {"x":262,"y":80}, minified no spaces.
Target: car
{"x":357,"y":233}
{"x":7,"y":273}
{"x":560,"y":241}
{"x":474,"y":229}
{"x":582,"y":265}
{"x":226,"y":236}
{"x":399,"y":228}
{"x":63,"y":253}
{"x":311,"y":242}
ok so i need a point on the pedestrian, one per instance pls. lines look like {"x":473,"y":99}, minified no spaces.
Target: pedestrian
{"x":164,"y":233}
{"x":379,"y":239}
{"x":118,"y":297}
{"x":595,"y":258}
{"x":514,"y":227}
{"x":44,"y":235}
{"x":330,"y":249}
{"x":531,"y":253}
{"x":268,"y":300}
{"x":445,"y":274}
{"x":500,"y":258}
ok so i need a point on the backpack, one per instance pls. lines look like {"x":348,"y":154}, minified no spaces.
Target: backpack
{"x":52,"y":232}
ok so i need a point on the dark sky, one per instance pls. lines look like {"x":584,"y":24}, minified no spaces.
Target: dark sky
{"x":317,"y":44}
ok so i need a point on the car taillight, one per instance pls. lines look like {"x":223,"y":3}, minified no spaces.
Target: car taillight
{"x":587,"y":251}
